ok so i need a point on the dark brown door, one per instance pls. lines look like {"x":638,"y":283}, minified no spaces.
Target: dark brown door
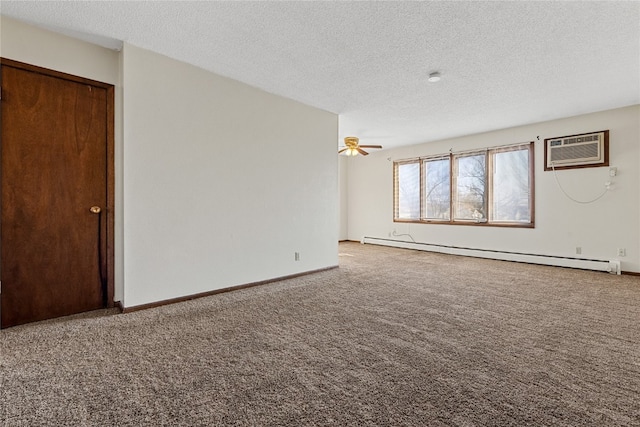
{"x":54,"y":170}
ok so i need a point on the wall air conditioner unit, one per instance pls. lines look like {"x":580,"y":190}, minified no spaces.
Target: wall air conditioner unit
{"x":577,"y":151}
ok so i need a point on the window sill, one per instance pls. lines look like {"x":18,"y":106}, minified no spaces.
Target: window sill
{"x":468,"y":223}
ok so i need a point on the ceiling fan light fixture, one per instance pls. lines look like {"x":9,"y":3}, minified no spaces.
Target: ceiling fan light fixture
{"x":353,"y":147}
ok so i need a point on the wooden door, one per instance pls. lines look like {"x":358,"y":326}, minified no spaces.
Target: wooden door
{"x":54,"y":169}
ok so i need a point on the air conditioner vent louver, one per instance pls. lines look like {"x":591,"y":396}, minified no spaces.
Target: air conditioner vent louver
{"x":572,"y":153}
{"x":577,"y":151}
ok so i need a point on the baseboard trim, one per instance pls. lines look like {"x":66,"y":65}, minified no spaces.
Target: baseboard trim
{"x":622,"y":272}
{"x":630,"y":273}
{"x":217,"y":291}
{"x":609,"y":266}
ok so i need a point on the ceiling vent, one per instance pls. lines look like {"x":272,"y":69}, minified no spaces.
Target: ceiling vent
{"x":577,"y":151}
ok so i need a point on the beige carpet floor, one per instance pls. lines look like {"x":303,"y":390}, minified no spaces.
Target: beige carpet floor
{"x":391,"y":338}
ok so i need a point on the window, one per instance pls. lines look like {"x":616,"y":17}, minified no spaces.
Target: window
{"x":408,"y":191}
{"x":488,"y":187}
{"x":511,"y":200}
{"x":437,"y":187}
{"x":471,"y":187}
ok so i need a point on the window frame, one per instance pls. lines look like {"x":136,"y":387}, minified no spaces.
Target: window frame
{"x":489,"y":188}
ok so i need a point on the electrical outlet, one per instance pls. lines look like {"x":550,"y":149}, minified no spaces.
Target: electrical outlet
{"x":578,"y":250}
{"x":622,"y":252}
{"x":613,"y":171}
{"x":296,"y":256}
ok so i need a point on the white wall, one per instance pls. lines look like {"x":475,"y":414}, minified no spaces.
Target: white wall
{"x":343,"y":180}
{"x":223,"y":182}
{"x":35,"y":46}
{"x":561,"y":224}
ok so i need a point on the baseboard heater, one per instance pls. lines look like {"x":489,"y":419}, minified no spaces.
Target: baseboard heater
{"x":612,"y":267}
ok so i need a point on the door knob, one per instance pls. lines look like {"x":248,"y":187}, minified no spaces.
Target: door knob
{"x":95,"y":209}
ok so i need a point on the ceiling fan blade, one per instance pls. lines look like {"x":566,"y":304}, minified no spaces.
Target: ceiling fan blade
{"x":343,"y":150}
{"x":371,"y":146}
{"x":361,"y":151}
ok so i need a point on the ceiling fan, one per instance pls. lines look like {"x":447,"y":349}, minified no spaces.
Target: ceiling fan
{"x":353,"y":147}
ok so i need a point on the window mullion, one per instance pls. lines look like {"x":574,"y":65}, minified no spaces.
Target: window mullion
{"x":452,"y":184}
{"x":490,"y":167}
{"x":423,"y":213}
{"x":396,"y":184}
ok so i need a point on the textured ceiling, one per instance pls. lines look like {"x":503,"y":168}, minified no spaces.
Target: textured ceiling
{"x":503,"y":64}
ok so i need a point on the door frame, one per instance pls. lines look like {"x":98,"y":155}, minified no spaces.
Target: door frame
{"x":109,"y":210}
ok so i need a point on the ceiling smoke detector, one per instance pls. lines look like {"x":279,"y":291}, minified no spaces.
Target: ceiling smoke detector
{"x":434,"y":77}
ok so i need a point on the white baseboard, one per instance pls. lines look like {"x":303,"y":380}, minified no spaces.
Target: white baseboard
{"x":581,"y":263}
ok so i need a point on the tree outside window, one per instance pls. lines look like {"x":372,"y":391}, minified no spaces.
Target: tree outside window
{"x":438,"y":188}
{"x":471,"y":187}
